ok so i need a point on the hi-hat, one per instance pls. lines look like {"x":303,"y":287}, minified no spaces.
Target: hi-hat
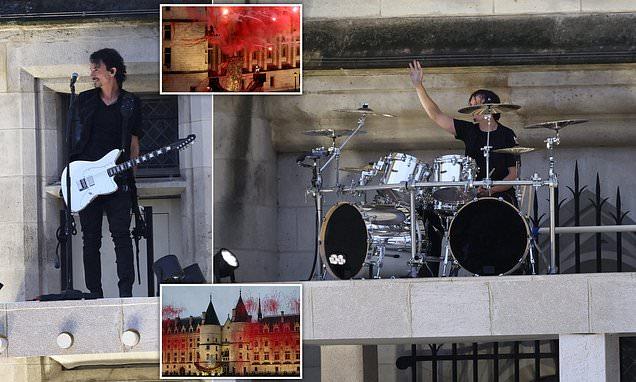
{"x":332,"y":133}
{"x":366,"y":110}
{"x":556,"y":125}
{"x":489,"y":108}
{"x":516,"y":150}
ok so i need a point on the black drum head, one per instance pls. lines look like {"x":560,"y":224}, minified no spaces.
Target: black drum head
{"x":488,"y":237}
{"x":344,"y":241}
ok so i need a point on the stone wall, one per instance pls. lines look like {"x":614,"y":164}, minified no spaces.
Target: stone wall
{"x":245,"y":194}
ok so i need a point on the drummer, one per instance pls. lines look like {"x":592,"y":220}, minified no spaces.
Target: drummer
{"x":474,"y":135}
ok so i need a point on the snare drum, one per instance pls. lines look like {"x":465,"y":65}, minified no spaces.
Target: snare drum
{"x":361,"y":241}
{"x":489,"y":236}
{"x":453,"y":168}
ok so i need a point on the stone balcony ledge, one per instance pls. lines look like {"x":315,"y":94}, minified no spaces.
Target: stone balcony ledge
{"x":360,"y":312}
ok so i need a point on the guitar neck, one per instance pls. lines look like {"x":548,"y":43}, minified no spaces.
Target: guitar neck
{"x":127,"y":165}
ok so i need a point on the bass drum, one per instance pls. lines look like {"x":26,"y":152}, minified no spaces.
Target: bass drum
{"x":488,"y":236}
{"x":366,"y":241}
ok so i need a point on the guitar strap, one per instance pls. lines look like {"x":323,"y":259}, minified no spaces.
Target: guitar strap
{"x":127,"y":107}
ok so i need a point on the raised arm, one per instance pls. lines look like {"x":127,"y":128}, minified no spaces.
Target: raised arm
{"x":442,"y":120}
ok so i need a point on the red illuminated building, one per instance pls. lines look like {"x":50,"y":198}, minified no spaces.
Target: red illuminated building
{"x":201,"y":346}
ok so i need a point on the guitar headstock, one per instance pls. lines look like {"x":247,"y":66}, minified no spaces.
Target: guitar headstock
{"x":183,"y":143}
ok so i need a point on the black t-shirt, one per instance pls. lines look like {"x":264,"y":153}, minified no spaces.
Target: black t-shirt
{"x":106,"y":131}
{"x":475,"y":140}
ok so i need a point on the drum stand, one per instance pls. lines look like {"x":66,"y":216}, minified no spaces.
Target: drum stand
{"x":317,"y":182}
{"x":551,"y":142}
{"x":446,"y":261}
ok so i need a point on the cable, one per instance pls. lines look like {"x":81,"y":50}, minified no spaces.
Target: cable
{"x":313,"y":266}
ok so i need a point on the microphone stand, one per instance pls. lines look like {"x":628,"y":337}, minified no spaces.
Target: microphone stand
{"x":69,"y":224}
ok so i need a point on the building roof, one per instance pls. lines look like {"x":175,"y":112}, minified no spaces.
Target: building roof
{"x":210,"y":315}
{"x":291,"y":318}
{"x":178,"y":324}
{"x":239,"y":313}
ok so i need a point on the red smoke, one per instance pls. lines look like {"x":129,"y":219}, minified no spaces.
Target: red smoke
{"x":250,"y":27}
{"x":235,"y":28}
{"x":169,"y":311}
{"x":251,"y":305}
{"x":271,"y":304}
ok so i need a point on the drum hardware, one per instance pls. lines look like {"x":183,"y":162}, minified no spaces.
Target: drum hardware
{"x":488,"y":110}
{"x":334,"y":153}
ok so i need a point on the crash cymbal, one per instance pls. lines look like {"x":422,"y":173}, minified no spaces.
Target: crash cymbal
{"x":332,"y":133}
{"x":556,"y":125}
{"x":366,"y":110}
{"x":356,"y":169}
{"x":489,"y":108}
{"x":515,"y":150}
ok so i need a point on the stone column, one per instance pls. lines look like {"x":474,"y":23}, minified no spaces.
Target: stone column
{"x":589,"y":357}
{"x":19,"y":228}
{"x":352,"y":363}
{"x":195,"y":117}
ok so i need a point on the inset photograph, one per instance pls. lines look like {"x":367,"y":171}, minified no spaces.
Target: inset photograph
{"x":231,"y":49}
{"x":231,"y":330}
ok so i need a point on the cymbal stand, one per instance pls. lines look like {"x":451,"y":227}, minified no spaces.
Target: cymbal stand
{"x":551,"y":143}
{"x":335,"y":152}
{"x":316,"y":186}
{"x":486,"y":149}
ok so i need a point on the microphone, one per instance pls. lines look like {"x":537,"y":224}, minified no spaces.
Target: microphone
{"x":74,"y":77}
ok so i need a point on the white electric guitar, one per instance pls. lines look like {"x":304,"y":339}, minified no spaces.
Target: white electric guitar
{"x":91,"y":179}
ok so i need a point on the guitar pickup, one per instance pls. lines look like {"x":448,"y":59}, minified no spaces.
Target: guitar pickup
{"x":85,"y":183}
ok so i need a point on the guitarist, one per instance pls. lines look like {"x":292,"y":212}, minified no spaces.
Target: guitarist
{"x":108,"y":117}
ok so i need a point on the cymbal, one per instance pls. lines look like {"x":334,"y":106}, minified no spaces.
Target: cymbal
{"x":356,"y":169}
{"x":489,"y":108}
{"x":332,"y":133}
{"x":556,"y":125}
{"x":367,"y":111}
{"x":516,"y":150}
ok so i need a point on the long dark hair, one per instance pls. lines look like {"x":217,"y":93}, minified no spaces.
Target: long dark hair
{"x":488,"y":96}
{"x":112,"y":59}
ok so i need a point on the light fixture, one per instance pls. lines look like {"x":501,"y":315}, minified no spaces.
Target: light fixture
{"x":169,"y":271}
{"x":225,"y":263}
{"x":130,"y":337}
{"x":64,"y":340}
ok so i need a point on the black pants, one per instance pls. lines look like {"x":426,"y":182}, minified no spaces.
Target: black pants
{"x":117,"y":207}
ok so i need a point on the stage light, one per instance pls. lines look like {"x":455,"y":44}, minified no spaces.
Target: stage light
{"x":269,"y":48}
{"x":225,"y":11}
{"x":193,"y":275}
{"x":169,"y":271}
{"x":225,"y":263}
{"x":273,"y":18}
{"x":295,"y":9}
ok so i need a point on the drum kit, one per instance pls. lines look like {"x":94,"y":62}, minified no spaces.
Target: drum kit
{"x":390,"y":236}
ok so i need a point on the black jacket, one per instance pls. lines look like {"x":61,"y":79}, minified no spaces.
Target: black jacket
{"x":85,"y":105}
